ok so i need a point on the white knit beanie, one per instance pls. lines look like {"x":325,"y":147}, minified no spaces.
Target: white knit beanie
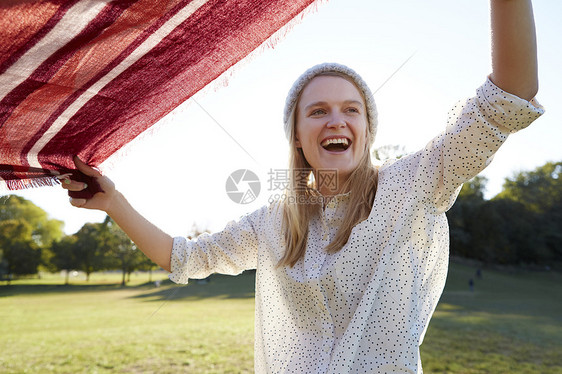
{"x":307,"y":76}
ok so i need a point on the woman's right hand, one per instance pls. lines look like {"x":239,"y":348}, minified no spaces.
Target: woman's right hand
{"x":155,"y":243}
{"x":101,"y":200}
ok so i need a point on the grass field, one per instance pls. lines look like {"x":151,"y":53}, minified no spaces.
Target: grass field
{"x":510,"y":323}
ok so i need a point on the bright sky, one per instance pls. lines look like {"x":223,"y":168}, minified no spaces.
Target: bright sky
{"x":176,"y":175}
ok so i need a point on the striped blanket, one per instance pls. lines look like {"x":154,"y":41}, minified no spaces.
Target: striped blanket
{"x":84,"y":77}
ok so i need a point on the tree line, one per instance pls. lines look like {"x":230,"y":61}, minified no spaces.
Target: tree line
{"x":522,"y":225}
{"x":31,"y":242}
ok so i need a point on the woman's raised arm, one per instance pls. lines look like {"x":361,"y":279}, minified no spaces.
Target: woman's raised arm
{"x":152,"y":241}
{"x":514,"y":47}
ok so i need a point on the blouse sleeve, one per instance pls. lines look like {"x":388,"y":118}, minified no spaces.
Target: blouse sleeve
{"x":475,"y":130}
{"x":230,"y":251}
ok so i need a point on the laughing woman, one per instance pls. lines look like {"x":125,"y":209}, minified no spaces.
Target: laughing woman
{"x":349,"y":273}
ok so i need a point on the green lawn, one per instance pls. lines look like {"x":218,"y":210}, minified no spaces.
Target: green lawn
{"x":510,"y":323}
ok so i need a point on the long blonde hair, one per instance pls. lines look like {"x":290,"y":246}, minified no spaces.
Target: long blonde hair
{"x":304,"y":201}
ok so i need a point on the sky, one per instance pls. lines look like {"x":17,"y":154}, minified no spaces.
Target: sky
{"x":176,"y":173}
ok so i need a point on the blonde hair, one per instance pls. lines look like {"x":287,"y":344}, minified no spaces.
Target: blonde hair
{"x":304,"y":201}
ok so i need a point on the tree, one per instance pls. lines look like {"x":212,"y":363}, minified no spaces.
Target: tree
{"x":538,"y":190}
{"x":388,"y":151}
{"x":146,"y":264}
{"x":521,"y":225}
{"x":500,"y":231}
{"x":503,"y":232}
{"x":44,"y":230}
{"x":122,"y":251}
{"x":89,"y":249}
{"x":551,"y":233}
{"x":20,"y":255}
{"x":64,"y":256}
{"x":473,"y":190}
{"x":28,"y":232}
{"x":95,"y":247}
{"x":462,"y":217}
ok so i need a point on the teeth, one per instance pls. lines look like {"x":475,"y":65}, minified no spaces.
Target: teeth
{"x":335,"y":141}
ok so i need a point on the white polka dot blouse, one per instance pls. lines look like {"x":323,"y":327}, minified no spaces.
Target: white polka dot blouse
{"x":364,"y":309}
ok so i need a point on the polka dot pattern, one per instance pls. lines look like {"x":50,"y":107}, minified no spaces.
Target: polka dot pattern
{"x":364,"y":309}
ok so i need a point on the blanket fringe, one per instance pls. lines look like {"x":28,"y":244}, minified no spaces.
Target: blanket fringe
{"x":6,"y":186}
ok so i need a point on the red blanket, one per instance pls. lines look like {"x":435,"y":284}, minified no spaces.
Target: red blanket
{"x":84,"y":77}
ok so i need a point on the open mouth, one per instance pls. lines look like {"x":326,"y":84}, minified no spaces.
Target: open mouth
{"x":336,"y":144}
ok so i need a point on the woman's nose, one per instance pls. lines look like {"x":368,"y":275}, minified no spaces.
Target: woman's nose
{"x":336,"y":121}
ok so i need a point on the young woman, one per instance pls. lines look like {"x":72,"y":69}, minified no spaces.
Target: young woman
{"x":349,"y":270}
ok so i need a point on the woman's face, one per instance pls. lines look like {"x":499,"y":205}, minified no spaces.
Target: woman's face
{"x":331,"y":125}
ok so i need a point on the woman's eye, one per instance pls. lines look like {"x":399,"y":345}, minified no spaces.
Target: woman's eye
{"x":353,"y":110}
{"x":317,"y":112}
